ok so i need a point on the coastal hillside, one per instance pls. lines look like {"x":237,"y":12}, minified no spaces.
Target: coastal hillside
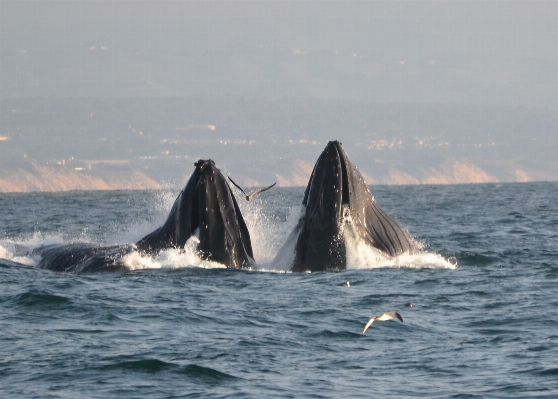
{"x":32,"y":177}
{"x":40,"y":178}
{"x":56,"y":144}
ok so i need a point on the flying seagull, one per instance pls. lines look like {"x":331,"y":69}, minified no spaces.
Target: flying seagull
{"x":382,"y":317}
{"x":249,"y":197}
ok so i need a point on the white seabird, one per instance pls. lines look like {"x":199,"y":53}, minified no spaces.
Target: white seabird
{"x":382,"y":317}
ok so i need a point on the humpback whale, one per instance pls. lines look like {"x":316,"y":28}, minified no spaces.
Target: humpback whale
{"x":205,"y":208}
{"x":337,"y":203}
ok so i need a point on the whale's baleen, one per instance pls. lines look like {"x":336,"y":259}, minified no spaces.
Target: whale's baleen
{"x":336,"y":197}
{"x":206,"y":207}
{"x":383,"y":317}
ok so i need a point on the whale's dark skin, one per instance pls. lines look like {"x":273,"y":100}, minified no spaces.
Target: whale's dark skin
{"x":83,"y":257}
{"x":206,"y":205}
{"x":336,"y":190}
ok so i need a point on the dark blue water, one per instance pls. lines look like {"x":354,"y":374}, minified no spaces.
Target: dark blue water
{"x":484,"y":321}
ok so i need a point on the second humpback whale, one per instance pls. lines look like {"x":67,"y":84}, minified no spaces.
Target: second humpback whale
{"x":338,"y":204}
{"x":205,"y":208}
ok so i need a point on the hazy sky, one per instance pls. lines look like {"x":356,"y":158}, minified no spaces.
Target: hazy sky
{"x":503,"y":53}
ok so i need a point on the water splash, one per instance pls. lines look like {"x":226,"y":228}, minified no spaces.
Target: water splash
{"x":19,"y":251}
{"x":8,"y":255}
{"x":171,"y":258}
{"x":359,"y":254}
{"x":279,"y":241}
{"x":362,"y":256}
{"x":159,"y":206}
{"x":273,"y":229}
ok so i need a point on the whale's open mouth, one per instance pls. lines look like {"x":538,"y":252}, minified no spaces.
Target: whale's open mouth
{"x":206,"y":207}
{"x":337,"y":192}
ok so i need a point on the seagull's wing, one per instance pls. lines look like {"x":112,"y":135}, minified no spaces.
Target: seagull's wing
{"x":398,"y":316}
{"x":261,"y":190}
{"x":389,"y":316}
{"x":368,"y":324}
{"x":237,"y":186}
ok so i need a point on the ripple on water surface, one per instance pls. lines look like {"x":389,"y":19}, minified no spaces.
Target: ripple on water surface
{"x":42,"y":300}
{"x":484,"y":328}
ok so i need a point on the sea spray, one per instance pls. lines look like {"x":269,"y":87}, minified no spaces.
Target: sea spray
{"x":271,"y":221}
{"x":360,"y":255}
{"x":158,"y":205}
{"x":19,"y":250}
{"x":171,"y":258}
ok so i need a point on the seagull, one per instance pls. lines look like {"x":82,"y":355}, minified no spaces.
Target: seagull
{"x":382,"y":317}
{"x":345,"y":284}
{"x":249,"y":197}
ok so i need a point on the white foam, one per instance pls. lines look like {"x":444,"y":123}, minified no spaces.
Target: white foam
{"x":359,"y":254}
{"x":167,"y":259}
{"x":8,"y":255}
{"x":363,"y":256}
{"x":273,"y":243}
{"x":19,"y":251}
{"x":171,"y":259}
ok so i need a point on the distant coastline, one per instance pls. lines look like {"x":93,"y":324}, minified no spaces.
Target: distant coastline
{"x":56,"y":144}
{"x":38,"y":178}
{"x":33,"y":177}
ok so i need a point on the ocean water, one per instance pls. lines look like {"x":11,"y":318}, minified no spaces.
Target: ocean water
{"x":484,"y":321}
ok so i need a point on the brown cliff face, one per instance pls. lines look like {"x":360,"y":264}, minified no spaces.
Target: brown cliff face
{"x":35,"y":177}
{"x":31,"y":177}
{"x":459,"y":173}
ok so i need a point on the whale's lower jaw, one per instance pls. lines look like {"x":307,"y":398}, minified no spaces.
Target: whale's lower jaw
{"x":320,"y":250}
{"x":207,"y":208}
{"x":337,"y":194}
